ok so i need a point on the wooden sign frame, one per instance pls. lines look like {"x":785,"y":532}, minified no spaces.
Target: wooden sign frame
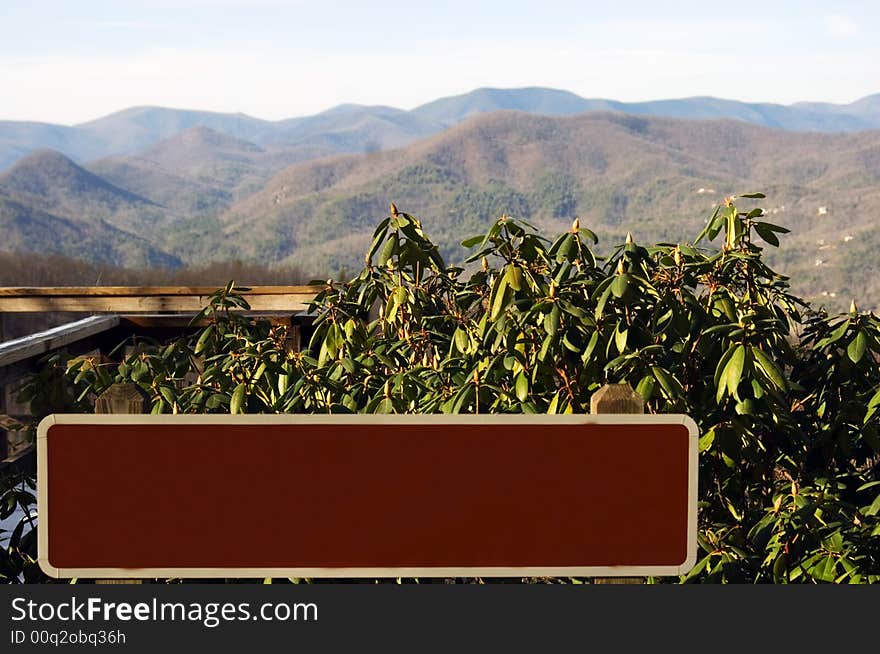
{"x":545,"y":434}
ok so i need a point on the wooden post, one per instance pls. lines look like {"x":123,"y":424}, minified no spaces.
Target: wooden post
{"x":122,"y":398}
{"x":617,"y":398}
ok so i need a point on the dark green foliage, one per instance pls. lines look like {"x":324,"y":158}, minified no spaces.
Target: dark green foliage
{"x":18,"y":547}
{"x":478,"y":205}
{"x":556,"y":196}
{"x":787,"y":398}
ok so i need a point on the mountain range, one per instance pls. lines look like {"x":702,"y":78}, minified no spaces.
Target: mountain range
{"x":354,"y":128}
{"x":193,"y":187}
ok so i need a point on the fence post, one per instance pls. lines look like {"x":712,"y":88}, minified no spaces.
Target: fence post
{"x":617,"y":398}
{"x":128,"y":399}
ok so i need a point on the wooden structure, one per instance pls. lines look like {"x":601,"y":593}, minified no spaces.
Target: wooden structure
{"x":145,"y":299}
{"x":115,"y":313}
{"x":617,"y":399}
{"x":122,"y":399}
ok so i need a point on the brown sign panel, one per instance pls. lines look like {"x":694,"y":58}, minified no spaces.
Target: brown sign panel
{"x":366,"y":496}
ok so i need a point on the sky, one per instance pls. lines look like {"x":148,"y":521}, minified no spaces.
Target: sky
{"x":75,"y":60}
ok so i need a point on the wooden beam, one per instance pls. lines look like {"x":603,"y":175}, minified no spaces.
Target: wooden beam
{"x":26,"y":347}
{"x":150,"y":304}
{"x":149,"y":321}
{"x":141,"y":291}
{"x":146,"y":299}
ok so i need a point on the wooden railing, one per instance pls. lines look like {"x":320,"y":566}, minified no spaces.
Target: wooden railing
{"x":135,"y":299}
{"x":160,"y":311}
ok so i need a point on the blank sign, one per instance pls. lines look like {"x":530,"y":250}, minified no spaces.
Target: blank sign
{"x":366,"y":496}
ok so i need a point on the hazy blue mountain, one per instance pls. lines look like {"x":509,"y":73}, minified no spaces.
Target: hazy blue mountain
{"x":140,"y":127}
{"x":801,"y":119}
{"x":352,"y":128}
{"x":18,"y":139}
{"x":862,"y":114}
{"x":534,"y":100}
{"x":198,"y":171}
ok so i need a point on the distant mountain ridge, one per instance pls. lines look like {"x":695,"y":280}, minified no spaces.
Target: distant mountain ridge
{"x":352,"y":128}
{"x":48,"y":203}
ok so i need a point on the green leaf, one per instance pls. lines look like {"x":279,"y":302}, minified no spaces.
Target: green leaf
{"x":385,"y":406}
{"x":730,"y":376}
{"x":603,"y":299}
{"x":167,"y":393}
{"x":237,"y":398}
{"x":465,"y":394}
{"x":621,"y":284}
{"x":767,"y":234}
{"x":874,"y":508}
{"x":333,"y":340}
{"x":856,"y":349}
{"x":645,"y":387}
{"x":620,"y":335}
{"x":554,"y":403}
{"x":875,"y":400}
{"x":769,"y":368}
{"x":588,"y":234}
{"x":670,"y":385}
{"x":203,"y":339}
{"x":522,"y":387}
{"x":568,"y":244}
{"x":706,"y":440}
{"x":746,"y":407}
{"x":551,"y":321}
{"x":499,"y":299}
{"x":591,"y":346}
{"x":514,"y":277}
{"x":472,"y":241}
{"x":462,"y":340}
{"x":824,"y":569}
{"x":754,"y":195}
{"x":380,"y":234}
{"x":722,"y":364}
{"x":388,"y":250}
{"x":835,"y":335}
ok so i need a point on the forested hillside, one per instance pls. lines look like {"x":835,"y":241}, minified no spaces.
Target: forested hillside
{"x":202,"y":195}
